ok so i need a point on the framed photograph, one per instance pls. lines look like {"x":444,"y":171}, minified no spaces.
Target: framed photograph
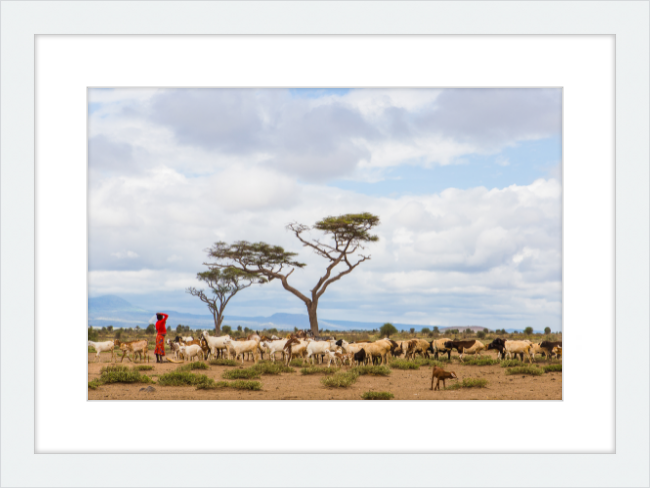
{"x":144,"y":142}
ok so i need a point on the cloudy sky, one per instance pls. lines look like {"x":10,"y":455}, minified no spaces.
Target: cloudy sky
{"x":466,"y":182}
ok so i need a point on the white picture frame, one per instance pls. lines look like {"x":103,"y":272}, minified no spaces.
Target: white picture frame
{"x":22,"y":21}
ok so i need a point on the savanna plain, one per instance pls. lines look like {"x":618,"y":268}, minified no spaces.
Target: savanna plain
{"x":479,"y":378}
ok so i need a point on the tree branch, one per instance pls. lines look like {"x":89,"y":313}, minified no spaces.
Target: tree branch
{"x":341,"y":274}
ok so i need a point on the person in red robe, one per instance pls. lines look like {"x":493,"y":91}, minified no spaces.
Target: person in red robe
{"x":161,"y":330}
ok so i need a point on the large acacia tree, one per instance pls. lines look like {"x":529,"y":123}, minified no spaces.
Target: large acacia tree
{"x":224,"y":284}
{"x":344,"y":236}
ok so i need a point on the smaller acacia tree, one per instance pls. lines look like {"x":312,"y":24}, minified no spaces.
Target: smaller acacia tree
{"x":387,"y":329}
{"x":224,"y":284}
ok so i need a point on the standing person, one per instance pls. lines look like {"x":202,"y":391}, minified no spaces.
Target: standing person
{"x":161,"y":330}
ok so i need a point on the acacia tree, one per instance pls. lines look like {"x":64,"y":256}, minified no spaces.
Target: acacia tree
{"x":224,"y":284}
{"x":347,"y":234}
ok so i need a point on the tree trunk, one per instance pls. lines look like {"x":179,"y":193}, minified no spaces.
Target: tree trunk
{"x":313,"y":319}
{"x":217,"y":324}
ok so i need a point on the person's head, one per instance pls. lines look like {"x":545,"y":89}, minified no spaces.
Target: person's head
{"x":159,"y":316}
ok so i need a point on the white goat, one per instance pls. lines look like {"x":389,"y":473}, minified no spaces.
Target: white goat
{"x":174,"y":347}
{"x":339,"y":358}
{"x":242,"y":347}
{"x":274,"y":346}
{"x":215,"y":343}
{"x":102,"y":347}
{"x":189,"y":352}
{"x":315,"y":348}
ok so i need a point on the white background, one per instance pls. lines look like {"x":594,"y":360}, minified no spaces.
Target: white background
{"x":583,"y":66}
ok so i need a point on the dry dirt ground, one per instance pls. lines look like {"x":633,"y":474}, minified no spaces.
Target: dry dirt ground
{"x":404,"y":385}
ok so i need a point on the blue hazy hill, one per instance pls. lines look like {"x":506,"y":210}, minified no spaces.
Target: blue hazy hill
{"x":113,"y":310}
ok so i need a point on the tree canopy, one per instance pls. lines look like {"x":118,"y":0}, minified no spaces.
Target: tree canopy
{"x":387,"y":329}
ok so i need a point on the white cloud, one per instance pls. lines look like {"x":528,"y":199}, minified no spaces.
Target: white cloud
{"x":205,"y":131}
{"x":127,"y":254}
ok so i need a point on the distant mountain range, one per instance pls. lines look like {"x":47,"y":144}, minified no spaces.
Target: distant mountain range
{"x":112,"y":310}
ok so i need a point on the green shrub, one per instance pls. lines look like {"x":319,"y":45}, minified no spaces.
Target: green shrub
{"x":183,"y":378}
{"x":94,"y":384}
{"x":403,"y":364}
{"x":371,"y":370}
{"x":113,"y":368}
{"x":480,"y":361}
{"x":377,"y":395}
{"x":509,"y":363}
{"x":431,"y":362}
{"x":297,"y":363}
{"x":340,"y":379}
{"x":268,"y":367}
{"x":223,"y":362}
{"x":318,"y":370}
{"x":387,"y":329}
{"x":532,"y":370}
{"x":552,"y":368}
{"x":121,"y":374}
{"x":193,"y":366}
{"x":246,"y":385}
{"x":238,"y":374}
{"x":238,"y":385}
{"x":473,"y":383}
{"x":467,"y":383}
{"x":215,"y":385}
{"x":143,"y":367}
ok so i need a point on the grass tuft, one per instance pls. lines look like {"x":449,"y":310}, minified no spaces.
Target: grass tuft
{"x":241,"y":374}
{"x":531,"y":370}
{"x":113,"y":368}
{"x":318,"y":370}
{"x":183,"y":378}
{"x":340,"y":379}
{"x":223,"y":362}
{"x":268,"y":367}
{"x":193,"y":366}
{"x":94,"y":384}
{"x":246,"y":385}
{"x":371,"y":370}
{"x":479,"y":361}
{"x":121,"y":374}
{"x":431,"y":362}
{"x":552,"y":368}
{"x":403,"y":364}
{"x":509,"y":363}
{"x":142,"y":367}
{"x":467,"y":383}
{"x":215,"y":385}
{"x":377,"y":395}
{"x":297,"y":363}
{"x":237,"y":385}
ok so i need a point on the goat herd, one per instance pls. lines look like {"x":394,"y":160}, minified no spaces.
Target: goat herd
{"x":325,"y":348}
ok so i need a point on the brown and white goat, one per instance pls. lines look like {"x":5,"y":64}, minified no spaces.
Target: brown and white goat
{"x":440,"y":374}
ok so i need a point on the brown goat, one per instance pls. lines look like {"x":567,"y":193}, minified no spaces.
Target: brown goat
{"x":440,"y":374}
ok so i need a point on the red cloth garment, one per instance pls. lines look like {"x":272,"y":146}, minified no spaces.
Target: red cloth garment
{"x":160,"y":344}
{"x":160,"y":336}
{"x":160,"y":325}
